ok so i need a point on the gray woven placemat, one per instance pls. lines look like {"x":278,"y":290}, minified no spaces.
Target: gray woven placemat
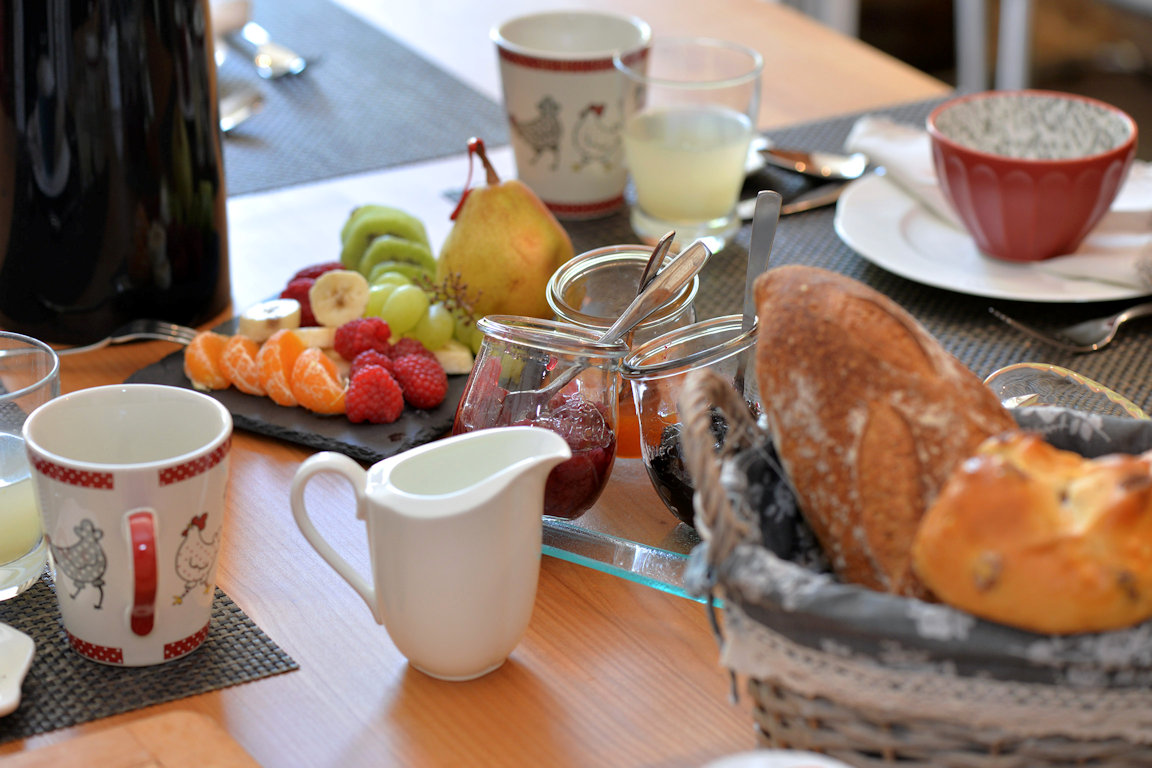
{"x":63,"y":689}
{"x":366,"y":102}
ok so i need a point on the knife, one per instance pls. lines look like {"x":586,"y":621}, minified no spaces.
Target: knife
{"x":825,"y":194}
{"x":272,"y":60}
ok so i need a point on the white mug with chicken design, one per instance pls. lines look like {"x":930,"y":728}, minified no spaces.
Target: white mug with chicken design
{"x":564,"y":101}
{"x":131,"y":481}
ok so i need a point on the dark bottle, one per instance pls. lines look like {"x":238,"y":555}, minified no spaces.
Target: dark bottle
{"x":112,"y":197}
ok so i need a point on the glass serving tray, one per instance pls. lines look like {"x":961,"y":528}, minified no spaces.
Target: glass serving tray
{"x":629,"y":533}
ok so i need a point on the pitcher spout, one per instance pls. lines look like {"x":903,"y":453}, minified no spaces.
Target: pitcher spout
{"x":457,"y":474}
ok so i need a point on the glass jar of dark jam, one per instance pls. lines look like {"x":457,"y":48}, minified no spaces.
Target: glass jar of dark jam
{"x":522,"y":353}
{"x":656,"y":371}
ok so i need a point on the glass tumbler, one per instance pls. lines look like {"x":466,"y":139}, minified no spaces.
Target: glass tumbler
{"x":592,"y":289}
{"x":29,"y":377}
{"x":656,"y":371}
{"x":519,"y":354}
{"x":689,"y":114}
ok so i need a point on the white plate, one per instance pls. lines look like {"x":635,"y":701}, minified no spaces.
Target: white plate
{"x":776,"y":758}
{"x":890,"y":229}
{"x":16,"y":652}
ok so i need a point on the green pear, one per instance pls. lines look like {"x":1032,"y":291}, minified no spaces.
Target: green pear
{"x":503,"y":246}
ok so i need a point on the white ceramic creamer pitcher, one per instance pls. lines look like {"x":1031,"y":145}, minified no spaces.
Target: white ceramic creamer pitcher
{"x":454,"y":537}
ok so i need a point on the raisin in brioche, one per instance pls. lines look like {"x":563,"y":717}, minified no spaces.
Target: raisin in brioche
{"x":1042,"y":539}
{"x":869,"y":415}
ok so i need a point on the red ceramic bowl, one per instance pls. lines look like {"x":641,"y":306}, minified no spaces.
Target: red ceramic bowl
{"x":1030,"y":173}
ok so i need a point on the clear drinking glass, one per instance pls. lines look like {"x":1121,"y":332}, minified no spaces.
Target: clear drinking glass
{"x":657,"y":371}
{"x":688,"y":119}
{"x":593,"y":289}
{"x":523,"y":353}
{"x":29,"y":377}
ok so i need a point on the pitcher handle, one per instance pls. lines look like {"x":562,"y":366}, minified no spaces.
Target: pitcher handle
{"x":339,"y":464}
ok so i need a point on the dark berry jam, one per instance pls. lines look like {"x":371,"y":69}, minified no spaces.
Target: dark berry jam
{"x":668,"y":473}
{"x":574,"y":485}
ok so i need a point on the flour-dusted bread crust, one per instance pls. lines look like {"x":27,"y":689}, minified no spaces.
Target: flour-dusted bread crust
{"x":1042,"y":539}
{"x":869,"y":414}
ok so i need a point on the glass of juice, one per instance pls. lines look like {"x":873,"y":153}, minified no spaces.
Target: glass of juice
{"x":690,"y":109}
{"x":524,"y":353}
{"x":29,"y":377}
{"x":657,"y":371}
{"x":593,"y":289}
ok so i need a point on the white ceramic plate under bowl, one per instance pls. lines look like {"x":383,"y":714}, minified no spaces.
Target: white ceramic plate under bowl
{"x":16,"y":652}
{"x":884,"y":225}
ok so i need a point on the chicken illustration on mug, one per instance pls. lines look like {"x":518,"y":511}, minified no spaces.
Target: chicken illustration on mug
{"x":593,"y":137}
{"x":84,"y":562}
{"x":195,"y":556}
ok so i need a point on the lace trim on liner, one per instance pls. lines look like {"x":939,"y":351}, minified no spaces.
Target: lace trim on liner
{"x":1024,"y":710}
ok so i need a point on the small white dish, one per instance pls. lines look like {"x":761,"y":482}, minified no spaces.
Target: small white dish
{"x":16,"y":652}
{"x":776,"y":758}
{"x":1024,"y":384}
{"x":889,"y":228}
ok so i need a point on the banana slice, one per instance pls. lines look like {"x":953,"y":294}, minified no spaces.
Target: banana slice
{"x":259,"y":322}
{"x":371,"y":221}
{"x":338,"y":296}
{"x":317,"y":336}
{"x":455,"y":357}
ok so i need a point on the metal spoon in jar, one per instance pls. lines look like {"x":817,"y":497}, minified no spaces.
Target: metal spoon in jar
{"x":764,"y":223}
{"x":663,"y":287}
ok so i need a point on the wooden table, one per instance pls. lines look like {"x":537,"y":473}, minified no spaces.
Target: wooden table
{"x":610,"y":672}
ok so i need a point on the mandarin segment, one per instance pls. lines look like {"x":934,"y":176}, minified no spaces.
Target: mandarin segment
{"x":275,"y":361}
{"x":317,"y":384}
{"x":202,"y":361}
{"x":238,"y":363}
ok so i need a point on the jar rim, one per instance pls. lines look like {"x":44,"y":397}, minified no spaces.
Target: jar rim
{"x":551,"y":336}
{"x":590,"y":260}
{"x":635,"y":365}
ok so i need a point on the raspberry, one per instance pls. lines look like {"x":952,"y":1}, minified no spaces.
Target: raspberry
{"x":370,"y":357}
{"x":422,"y":378}
{"x":355,"y":336}
{"x":316,"y":270}
{"x":298,"y":289}
{"x":373,"y":396}
{"x":406,"y":345}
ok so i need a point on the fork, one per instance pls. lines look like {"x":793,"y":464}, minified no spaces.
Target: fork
{"x":138,"y":329}
{"x":1088,"y":336}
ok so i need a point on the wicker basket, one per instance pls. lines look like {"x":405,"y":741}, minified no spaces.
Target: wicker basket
{"x":878,"y":680}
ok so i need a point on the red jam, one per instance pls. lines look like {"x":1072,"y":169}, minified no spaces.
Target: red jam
{"x":574,"y":485}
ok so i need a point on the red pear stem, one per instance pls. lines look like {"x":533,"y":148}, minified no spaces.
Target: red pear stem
{"x":475,"y":147}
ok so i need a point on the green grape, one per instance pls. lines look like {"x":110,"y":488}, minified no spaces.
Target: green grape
{"x":404,"y":308}
{"x":476,"y":339}
{"x":386,"y":277}
{"x":436,"y":327}
{"x":377,"y":295}
{"x":463,"y":330}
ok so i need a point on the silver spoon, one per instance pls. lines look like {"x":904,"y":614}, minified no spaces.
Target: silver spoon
{"x":663,"y":287}
{"x":820,"y":165}
{"x":655,"y":260}
{"x":238,"y":105}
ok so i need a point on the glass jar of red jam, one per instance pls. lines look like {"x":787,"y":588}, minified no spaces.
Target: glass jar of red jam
{"x":593,"y":289}
{"x":522,"y":353}
{"x":656,"y":371}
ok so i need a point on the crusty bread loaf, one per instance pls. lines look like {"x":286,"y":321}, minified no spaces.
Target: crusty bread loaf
{"x":1042,"y":539}
{"x":869,"y":415}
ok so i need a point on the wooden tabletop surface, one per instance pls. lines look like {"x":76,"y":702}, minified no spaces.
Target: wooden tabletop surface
{"x":610,"y":672}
